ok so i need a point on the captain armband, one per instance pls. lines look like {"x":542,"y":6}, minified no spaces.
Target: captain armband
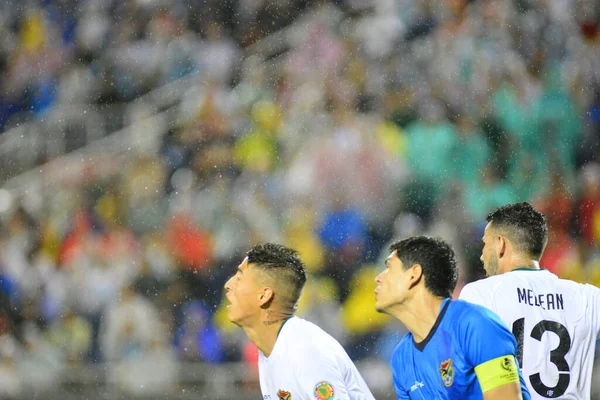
{"x":497,"y":372}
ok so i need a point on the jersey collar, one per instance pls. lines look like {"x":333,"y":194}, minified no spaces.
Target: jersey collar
{"x":281,"y":327}
{"x":421,"y":345}
{"x":277,"y":339}
{"x":528,"y":269}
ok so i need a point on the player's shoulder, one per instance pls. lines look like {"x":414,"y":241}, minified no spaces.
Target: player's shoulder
{"x":592,"y":293}
{"x":469,"y":320}
{"x":405,"y":342}
{"x":591,"y":288}
{"x":464,"y":308}
{"x":485,"y":291}
{"x":301,"y":327}
{"x":491,"y":283}
{"x":496,"y":285}
{"x":582,"y":291}
{"x":466,"y":313}
{"x":403,"y":347}
{"x":308,"y":337}
{"x":577,"y":286}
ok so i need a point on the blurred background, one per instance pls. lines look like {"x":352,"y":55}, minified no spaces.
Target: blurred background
{"x":146,"y":145}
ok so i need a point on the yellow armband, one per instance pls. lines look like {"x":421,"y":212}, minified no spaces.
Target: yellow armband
{"x":497,"y":372}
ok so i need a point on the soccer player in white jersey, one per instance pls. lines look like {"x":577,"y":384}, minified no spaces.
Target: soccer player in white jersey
{"x":556,"y":322}
{"x":297,"y":359}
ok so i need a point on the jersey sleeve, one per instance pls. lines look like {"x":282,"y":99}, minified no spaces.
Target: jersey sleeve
{"x":321,"y":378}
{"x":484,"y":336}
{"x":401,"y":392}
{"x":321,"y":375}
{"x":489,"y":348}
{"x":594,"y":307}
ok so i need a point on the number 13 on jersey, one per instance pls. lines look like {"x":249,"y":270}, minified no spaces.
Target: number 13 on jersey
{"x":557,"y":355}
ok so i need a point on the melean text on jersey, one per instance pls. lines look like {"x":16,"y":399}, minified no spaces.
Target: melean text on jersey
{"x":547,"y":301}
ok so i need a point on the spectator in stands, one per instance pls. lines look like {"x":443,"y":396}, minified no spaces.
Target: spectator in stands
{"x":129,"y":325}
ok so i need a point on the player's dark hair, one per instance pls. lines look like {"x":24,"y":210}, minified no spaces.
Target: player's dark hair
{"x":436,"y":258}
{"x":525,"y":226}
{"x":283,"y":265}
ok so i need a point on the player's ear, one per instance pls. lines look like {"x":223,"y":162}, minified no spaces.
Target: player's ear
{"x":266,"y":296}
{"x":415,"y":275}
{"x":500,"y":246}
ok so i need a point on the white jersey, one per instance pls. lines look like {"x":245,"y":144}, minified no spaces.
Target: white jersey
{"x":306,"y":364}
{"x":556,"y":323}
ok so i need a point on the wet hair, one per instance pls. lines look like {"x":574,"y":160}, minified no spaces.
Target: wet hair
{"x":284,"y":266}
{"x":525,"y":226}
{"x":436,"y":258}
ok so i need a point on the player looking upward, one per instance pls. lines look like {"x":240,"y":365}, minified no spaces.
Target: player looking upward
{"x":454,"y":349}
{"x":297,"y":359}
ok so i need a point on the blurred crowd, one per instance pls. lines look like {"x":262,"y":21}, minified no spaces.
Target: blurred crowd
{"x":406,"y":117}
{"x":57,"y":52}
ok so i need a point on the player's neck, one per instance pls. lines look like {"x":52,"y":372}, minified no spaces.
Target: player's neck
{"x":523,"y":263}
{"x":419,"y":315}
{"x":263,"y":332}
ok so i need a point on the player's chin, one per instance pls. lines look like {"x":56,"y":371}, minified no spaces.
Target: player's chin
{"x":379,"y":308}
{"x":231,"y":314}
{"x":485,"y":272}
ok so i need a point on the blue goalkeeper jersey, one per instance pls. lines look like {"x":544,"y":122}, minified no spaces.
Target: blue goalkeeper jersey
{"x":443,"y":366}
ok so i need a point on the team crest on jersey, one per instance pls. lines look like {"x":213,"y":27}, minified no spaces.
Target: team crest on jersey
{"x":323,"y":391}
{"x":283,"y":395}
{"x":447,"y":372}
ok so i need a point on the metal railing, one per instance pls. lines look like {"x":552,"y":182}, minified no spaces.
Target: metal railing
{"x":191,"y":381}
{"x":229,"y":381}
{"x":68,"y":128}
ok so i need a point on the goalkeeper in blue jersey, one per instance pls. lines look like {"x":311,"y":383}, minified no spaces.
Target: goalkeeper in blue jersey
{"x":454,"y":349}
